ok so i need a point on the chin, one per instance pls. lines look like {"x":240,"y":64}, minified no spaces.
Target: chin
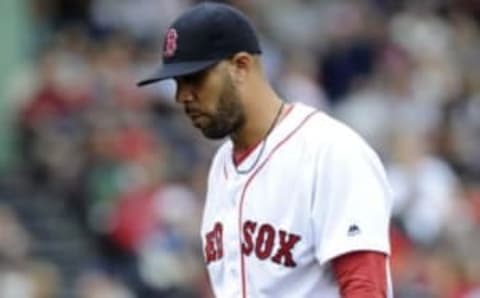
{"x":212,"y":136}
{"x":215,"y":134}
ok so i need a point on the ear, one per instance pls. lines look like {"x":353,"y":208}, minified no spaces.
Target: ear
{"x":242,"y":65}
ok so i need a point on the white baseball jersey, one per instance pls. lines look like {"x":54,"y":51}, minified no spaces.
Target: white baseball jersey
{"x":317,"y":192}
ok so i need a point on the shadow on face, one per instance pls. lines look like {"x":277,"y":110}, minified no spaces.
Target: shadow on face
{"x":212,"y":101}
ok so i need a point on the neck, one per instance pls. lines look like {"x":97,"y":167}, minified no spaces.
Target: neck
{"x":262,"y":114}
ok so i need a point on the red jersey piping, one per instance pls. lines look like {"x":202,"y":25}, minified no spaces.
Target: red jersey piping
{"x":250,"y":179}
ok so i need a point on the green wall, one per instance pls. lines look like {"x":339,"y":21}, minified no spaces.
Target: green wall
{"x":14,"y":42}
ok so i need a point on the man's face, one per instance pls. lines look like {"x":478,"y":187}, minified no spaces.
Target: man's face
{"x":212,"y":101}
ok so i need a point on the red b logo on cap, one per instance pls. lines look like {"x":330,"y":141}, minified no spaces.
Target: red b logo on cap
{"x":170,"y":43}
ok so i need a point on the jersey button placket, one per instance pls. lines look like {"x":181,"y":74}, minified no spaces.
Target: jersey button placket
{"x":232,"y":237}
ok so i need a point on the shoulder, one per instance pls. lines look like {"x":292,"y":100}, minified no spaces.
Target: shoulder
{"x":331,"y":143}
{"x":322,"y":130}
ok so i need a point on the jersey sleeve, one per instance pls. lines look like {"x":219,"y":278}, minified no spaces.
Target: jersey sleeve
{"x":351,"y":200}
{"x":361,"y":274}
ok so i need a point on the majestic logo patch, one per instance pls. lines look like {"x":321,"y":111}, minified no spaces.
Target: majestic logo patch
{"x":170,"y":43}
{"x":353,"y":230}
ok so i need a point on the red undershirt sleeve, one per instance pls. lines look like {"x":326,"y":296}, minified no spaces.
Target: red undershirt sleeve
{"x":361,"y":274}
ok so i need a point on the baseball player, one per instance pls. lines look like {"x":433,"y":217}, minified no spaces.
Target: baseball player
{"x":297,"y":203}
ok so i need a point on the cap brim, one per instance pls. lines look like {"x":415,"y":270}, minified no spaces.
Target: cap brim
{"x":177,"y":69}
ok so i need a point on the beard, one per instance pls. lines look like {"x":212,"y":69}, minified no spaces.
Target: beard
{"x":229,"y":114}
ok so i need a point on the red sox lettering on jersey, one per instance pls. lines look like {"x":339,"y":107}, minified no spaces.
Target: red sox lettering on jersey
{"x":266,"y":242}
{"x":214,"y":244}
{"x":317,"y":192}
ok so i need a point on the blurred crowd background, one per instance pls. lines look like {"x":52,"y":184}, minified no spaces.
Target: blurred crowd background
{"x":102,"y":183}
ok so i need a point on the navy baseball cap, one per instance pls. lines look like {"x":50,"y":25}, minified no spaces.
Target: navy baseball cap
{"x":203,"y":36}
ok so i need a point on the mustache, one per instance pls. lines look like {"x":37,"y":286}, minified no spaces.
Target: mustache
{"x":189,"y":110}
{"x":192,"y":111}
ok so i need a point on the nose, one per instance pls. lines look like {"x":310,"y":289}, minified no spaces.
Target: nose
{"x":184,"y":93}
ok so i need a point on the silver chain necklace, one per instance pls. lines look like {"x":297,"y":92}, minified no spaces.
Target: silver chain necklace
{"x":264,"y":142}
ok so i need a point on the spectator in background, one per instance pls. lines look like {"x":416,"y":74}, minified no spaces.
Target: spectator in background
{"x":350,"y":54}
{"x":20,"y":275}
{"x":297,"y":81}
{"x":98,"y":285}
{"x":142,"y":19}
{"x":425,"y":189}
